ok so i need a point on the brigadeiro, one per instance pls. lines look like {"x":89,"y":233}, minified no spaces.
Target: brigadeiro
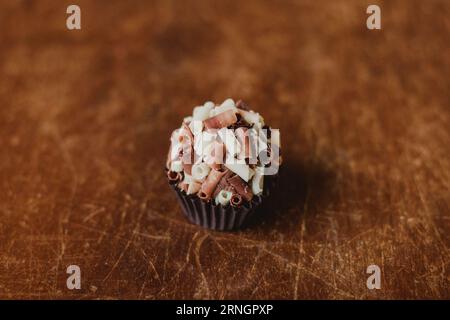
{"x":222,"y":164}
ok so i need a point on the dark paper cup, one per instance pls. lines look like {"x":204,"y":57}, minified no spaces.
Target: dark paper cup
{"x":218,"y":217}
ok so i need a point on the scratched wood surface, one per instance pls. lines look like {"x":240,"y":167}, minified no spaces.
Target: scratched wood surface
{"x":86,"y":115}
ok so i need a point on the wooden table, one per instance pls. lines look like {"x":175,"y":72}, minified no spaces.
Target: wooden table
{"x":86,"y":115}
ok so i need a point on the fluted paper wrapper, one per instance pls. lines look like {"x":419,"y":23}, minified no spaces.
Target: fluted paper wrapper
{"x":218,"y":217}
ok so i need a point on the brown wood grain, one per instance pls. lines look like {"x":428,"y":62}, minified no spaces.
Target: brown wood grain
{"x":85,"y":118}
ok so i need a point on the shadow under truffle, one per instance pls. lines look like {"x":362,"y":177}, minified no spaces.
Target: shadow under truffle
{"x":297,"y":182}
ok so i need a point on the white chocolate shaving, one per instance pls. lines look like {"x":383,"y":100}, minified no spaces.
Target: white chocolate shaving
{"x":174,"y":138}
{"x":225,"y":106}
{"x":223,"y":197}
{"x":258,"y":181}
{"x":200,"y":171}
{"x":262,"y":142}
{"x":241,"y":169}
{"x":198,"y":159}
{"x":228,"y":103}
{"x":252,"y":117}
{"x":208,"y":136}
{"x":175,"y":150}
{"x":232,"y":145}
{"x":176,"y":166}
{"x":196,"y":127}
{"x":202,"y":112}
{"x":275,"y":137}
{"x":202,"y":141}
{"x":193,"y":187}
{"x":261,"y":120}
{"x":187,"y":119}
{"x":207,"y":150}
{"x":209,"y":105}
{"x":188,"y":178}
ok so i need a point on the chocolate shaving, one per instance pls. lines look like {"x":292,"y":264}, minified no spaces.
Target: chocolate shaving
{"x":184,"y":186}
{"x":242,"y":105}
{"x":219,"y":152}
{"x":203,"y":196}
{"x":226,"y":187}
{"x":215,"y":166}
{"x":221,"y":120}
{"x":187,"y":132}
{"x":174,"y":177}
{"x":187,"y":167}
{"x":240,"y":123}
{"x":217,"y":156}
{"x":169,"y":160}
{"x":188,"y":157}
{"x":267,"y":131}
{"x":211,"y":182}
{"x":236,"y":200}
{"x":241,"y":187}
{"x":187,"y":149}
{"x":169,"y":155}
{"x":242,"y":134}
{"x":270,"y":159}
{"x":223,"y":183}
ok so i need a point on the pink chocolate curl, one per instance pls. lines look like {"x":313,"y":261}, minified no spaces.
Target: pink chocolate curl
{"x":223,"y":183}
{"x":173,"y":176}
{"x":210,"y":183}
{"x":188,"y":157}
{"x":187,"y":133}
{"x":243,"y":136}
{"x":241,"y":187}
{"x":221,"y":120}
{"x":187,"y":167}
{"x":203,"y":195}
{"x":236,"y":200}
{"x":187,"y":148}
{"x":216,"y":158}
{"x":242,"y":105}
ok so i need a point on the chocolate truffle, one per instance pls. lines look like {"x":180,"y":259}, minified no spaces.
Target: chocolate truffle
{"x":222,"y":162}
